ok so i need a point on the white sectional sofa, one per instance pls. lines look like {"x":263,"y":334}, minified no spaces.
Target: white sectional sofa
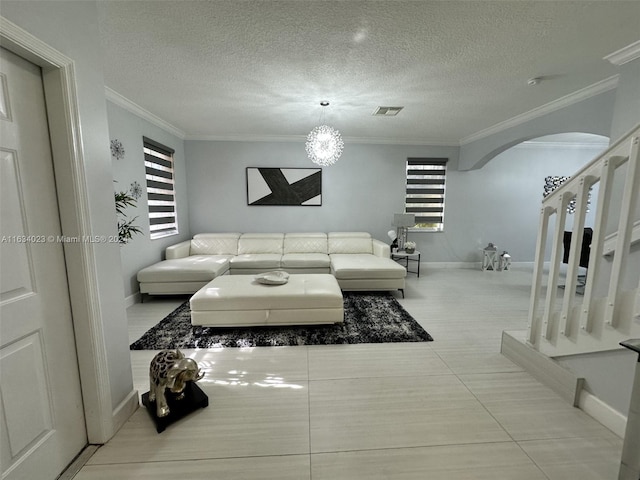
{"x":355,"y":259}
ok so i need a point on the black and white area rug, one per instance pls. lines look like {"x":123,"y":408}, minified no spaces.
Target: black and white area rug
{"x":368,"y":318}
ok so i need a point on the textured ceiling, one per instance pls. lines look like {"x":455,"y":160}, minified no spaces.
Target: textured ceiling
{"x":259,"y":69}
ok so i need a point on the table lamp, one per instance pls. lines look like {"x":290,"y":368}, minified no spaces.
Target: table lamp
{"x":403,"y":221}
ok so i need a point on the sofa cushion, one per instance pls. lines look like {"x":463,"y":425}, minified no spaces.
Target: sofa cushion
{"x":305,"y":243}
{"x":215,"y":244}
{"x":357,"y":266}
{"x":195,"y":268}
{"x":256,"y":261}
{"x":350,"y":242}
{"x":250,"y":243}
{"x":305,"y":260}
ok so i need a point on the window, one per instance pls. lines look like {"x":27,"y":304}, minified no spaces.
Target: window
{"x":425,"y":192}
{"x":158,"y":165}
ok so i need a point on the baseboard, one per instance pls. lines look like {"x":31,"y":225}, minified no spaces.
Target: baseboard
{"x":603,"y":413}
{"x":543,"y":368}
{"x":125,"y":409}
{"x":562,"y":381}
{"x":132,"y":300}
{"x":471,"y":265}
{"x":450,"y":265}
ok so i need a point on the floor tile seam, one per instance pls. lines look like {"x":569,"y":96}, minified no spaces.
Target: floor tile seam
{"x":415,"y":447}
{"x":563,"y":437}
{"x":486,"y":409}
{"x":478,"y":373}
{"x":199,"y":458}
{"x":539,"y":467}
{"x":435,"y":351}
{"x":505,"y":373}
{"x":381,"y":377}
{"x":493,"y":372}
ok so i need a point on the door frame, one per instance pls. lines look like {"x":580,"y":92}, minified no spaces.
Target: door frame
{"x":59,"y":78}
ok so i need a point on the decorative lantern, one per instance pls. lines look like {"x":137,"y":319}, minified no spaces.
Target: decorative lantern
{"x":505,"y":261}
{"x":490,"y":257}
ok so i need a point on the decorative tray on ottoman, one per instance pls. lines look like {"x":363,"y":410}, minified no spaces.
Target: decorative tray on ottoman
{"x":273,"y":278}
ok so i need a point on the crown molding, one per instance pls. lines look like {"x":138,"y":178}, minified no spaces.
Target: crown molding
{"x":121,"y":101}
{"x":247,"y":138}
{"x":303,"y":138}
{"x":562,"y":102}
{"x":625,"y":54}
{"x":21,"y":42}
{"x":572,"y":145}
{"x":404,"y":141}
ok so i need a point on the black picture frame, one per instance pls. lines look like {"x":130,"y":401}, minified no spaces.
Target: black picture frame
{"x":283,"y":186}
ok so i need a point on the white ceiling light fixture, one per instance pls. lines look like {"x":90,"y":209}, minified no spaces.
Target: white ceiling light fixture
{"x":324,"y":143}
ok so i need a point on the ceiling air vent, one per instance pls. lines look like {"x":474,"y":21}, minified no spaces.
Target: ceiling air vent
{"x":387,"y":111}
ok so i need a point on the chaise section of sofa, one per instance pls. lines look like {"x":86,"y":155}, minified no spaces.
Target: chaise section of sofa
{"x":360,"y":262}
{"x":190,"y":265}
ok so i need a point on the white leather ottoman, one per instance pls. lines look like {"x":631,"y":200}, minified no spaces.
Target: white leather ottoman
{"x":239,"y":300}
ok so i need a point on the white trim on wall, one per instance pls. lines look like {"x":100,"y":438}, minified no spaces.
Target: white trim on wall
{"x":303,"y":138}
{"x":563,"y":102}
{"x":611,"y":239}
{"x":572,"y":145}
{"x":67,"y":148}
{"x":603,"y":413}
{"x":625,"y":55}
{"x":121,"y":101}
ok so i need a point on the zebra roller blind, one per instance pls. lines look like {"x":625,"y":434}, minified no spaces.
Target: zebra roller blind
{"x":158,"y":165}
{"x":425,"y":192}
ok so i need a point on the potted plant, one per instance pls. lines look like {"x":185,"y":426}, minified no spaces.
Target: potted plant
{"x":126,"y":228}
{"x":409,"y":247}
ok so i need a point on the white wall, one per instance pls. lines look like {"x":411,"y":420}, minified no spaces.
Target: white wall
{"x":627,"y":106}
{"x":499,"y":203}
{"x":141,"y":251}
{"x":361,"y":192}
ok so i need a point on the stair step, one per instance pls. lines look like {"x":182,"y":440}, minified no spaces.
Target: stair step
{"x":543,"y":368}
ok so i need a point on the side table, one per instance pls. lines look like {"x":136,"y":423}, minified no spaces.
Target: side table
{"x":408,"y":257}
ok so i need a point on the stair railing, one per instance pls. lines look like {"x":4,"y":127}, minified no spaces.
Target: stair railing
{"x":559,"y":322}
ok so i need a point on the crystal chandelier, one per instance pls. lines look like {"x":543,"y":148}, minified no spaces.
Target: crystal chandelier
{"x":324,"y":144}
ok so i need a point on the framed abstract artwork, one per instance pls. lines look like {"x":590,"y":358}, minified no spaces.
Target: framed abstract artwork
{"x":284,"y":186}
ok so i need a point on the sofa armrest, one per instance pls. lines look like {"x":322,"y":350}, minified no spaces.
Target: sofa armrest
{"x":179,"y":250}
{"x":381,"y":249}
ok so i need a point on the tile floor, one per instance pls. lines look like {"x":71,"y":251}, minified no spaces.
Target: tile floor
{"x":454,"y":408}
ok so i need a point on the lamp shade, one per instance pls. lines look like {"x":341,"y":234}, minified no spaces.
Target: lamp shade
{"x":404,"y":220}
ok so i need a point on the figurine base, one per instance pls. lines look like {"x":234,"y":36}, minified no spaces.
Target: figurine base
{"x":194,"y":398}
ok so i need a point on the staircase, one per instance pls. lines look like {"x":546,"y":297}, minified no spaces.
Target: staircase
{"x":560,"y":320}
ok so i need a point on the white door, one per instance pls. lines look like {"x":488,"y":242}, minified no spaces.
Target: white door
{"x":42,"y":426}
